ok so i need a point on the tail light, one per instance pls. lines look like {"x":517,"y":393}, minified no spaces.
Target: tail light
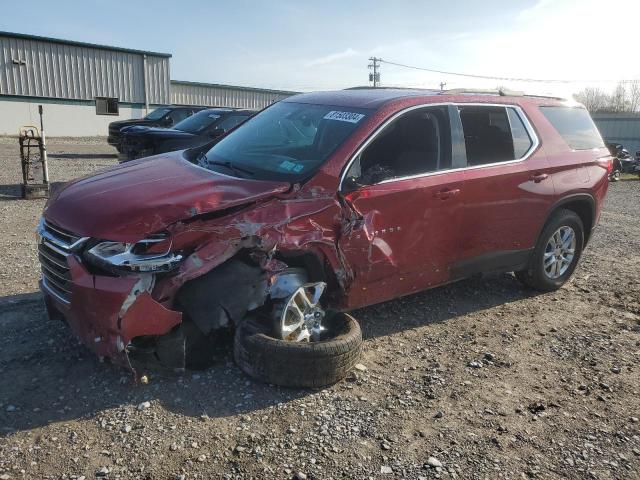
{"x":606,"y":163}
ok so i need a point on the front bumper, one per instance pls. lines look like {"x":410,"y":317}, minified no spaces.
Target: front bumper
{"x":106,"y":313}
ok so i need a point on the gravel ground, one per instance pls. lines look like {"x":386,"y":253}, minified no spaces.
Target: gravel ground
{"x":479,"y":379}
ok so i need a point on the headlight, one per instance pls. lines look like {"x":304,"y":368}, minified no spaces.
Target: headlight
{"x":152,"y":254}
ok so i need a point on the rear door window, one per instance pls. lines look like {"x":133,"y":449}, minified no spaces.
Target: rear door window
{"x":575,"y":126}
{"x":521,"y":139}
{"x":493,"y":134}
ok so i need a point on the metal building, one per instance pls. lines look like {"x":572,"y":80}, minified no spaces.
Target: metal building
{"x":623,"y":128}
{"x":81,"y":86}
{"x":215,"y":95}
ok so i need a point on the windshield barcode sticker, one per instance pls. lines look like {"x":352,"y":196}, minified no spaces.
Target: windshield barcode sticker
{"x":351,"y":117}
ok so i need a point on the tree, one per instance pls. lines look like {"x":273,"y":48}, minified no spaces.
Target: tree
{"x":624,"y":98}
{"x":594,"y":99}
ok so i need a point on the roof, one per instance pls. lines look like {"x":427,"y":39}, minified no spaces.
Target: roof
{"x":233,"y":87}
{"x":369,"y":97}
{"x":359,"y":97}
{"x":24,"y":36}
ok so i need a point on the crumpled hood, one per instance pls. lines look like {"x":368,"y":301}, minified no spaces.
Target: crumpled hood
{"x":132,"y":200}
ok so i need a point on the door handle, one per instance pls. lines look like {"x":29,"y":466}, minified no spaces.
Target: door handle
{"x":538,"y":177}
{"x":448,"y":193}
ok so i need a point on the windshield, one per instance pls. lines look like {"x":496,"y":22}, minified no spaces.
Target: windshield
{"x":198,"y":122}
{"x":287,"y":141}
{"x":157,"y":114}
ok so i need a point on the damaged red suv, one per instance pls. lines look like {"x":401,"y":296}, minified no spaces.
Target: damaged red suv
{"x":321,"y":203}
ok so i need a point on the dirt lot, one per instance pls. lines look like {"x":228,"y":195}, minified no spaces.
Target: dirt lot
{"x":480,"y":379}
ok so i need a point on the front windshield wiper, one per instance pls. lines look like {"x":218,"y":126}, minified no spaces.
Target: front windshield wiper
{"x":234,"y":168}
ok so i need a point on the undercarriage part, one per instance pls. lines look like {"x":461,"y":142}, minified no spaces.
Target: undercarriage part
{"x":183,"y":347}
{"x":299,"y":364}
{"x":299,"y":317}
{"x":221,"y":298}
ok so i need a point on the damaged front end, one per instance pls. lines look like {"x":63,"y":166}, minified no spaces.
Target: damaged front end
{"x":170,"y":295}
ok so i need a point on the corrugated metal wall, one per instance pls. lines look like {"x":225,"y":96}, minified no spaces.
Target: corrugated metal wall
{"x":623,"y":128}
{"x":41,"y":68}
{"x":190,"y":93}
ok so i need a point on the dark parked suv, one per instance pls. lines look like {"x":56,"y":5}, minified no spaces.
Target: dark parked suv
{"x":321,"y":203}
{"x":197,"y":130}
{"x":160,"y":117}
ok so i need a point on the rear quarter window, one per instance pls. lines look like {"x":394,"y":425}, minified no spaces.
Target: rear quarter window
{"x":575,"y":126}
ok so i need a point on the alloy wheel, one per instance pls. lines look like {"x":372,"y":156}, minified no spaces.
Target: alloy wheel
{"x":300,"y":317}
{"x":559,"y":252}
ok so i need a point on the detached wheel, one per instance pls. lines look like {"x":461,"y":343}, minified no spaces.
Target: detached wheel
{"x":556,"y":254}
{"x":299,"y":363}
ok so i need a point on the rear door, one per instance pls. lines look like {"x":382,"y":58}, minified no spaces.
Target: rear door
{"x":403,"y":190}
{"x":507,"y":189}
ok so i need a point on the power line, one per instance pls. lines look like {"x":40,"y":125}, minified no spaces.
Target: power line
{"x":510,"y":79}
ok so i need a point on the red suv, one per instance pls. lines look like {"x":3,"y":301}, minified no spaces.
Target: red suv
{"x":323,"y":201}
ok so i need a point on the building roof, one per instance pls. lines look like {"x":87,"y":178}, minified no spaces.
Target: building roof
{"x":233,"y":87}
{"x":24,"y":36}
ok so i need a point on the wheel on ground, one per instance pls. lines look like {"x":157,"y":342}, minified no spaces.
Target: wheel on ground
{"x":556,"y":254}
{"x":298,"y":363}
{"x":615,"y":176}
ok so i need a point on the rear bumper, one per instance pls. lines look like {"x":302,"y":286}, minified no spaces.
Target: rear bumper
{"x":106,"y":313}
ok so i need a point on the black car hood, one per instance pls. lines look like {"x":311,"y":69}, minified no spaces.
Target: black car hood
{"x":156,"y":132}
{"x":129,"y":123}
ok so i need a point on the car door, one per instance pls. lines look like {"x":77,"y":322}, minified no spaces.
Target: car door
{"x":402,"y":192}
{"x":508,"y":191}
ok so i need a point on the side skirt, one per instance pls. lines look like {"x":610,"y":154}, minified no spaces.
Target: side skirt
{"x":503,"y":261}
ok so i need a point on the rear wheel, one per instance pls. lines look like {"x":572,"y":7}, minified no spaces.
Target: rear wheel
{"x":556,"y":254}
{"x":615,"y":176}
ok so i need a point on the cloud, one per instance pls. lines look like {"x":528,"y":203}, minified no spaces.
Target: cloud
{"x":331,"y":58}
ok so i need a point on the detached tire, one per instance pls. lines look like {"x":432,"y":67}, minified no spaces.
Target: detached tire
{"x":292,"y":364}
{"x":536,"y":276}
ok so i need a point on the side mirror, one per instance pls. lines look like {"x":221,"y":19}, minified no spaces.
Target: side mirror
{"x":350,"y":184}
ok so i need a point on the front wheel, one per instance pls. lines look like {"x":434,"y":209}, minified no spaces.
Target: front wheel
{"x":615,"y":176}
{"x":556,"y":254}
{"x":299,"y":363}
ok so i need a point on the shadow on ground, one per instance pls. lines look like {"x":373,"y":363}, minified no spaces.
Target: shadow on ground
{"x":47,"y":377}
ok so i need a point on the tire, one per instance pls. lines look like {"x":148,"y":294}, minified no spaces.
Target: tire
{"x":299,"y":364}
{"x":535,"y":275}
{"x":615,"y":176}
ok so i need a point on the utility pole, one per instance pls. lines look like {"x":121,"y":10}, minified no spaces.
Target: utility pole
{"x":442,"y":85}
{"x":375,"y":76}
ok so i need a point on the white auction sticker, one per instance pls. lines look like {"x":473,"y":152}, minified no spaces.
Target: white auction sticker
{"x":351,"y":117}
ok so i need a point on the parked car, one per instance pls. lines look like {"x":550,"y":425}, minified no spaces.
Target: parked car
{"x":194,"y":131}
{"x":160,"y":117}
{"x":322,"y":202}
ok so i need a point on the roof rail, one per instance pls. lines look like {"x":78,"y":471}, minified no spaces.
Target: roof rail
{"x":503,"y":92}
{"x":365,"y":87}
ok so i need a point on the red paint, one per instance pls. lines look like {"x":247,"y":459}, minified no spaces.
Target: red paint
{"x":378,"y":243}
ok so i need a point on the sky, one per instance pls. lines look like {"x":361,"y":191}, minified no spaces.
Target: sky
{"x":321,"y":45}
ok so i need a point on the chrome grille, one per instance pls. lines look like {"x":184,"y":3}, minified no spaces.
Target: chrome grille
{"x":54,"y":248}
